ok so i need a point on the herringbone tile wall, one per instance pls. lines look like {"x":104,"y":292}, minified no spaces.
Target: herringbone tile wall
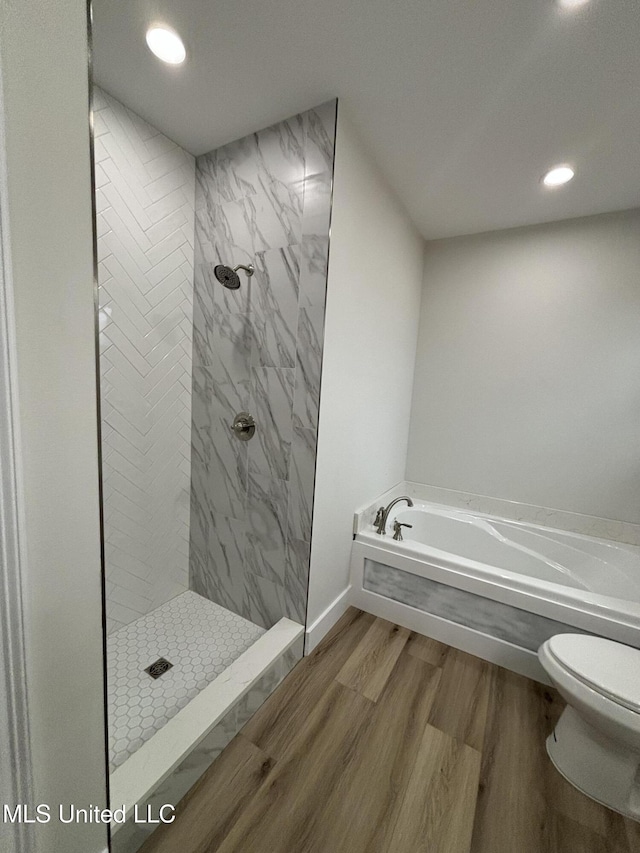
{"x":145,"y":187}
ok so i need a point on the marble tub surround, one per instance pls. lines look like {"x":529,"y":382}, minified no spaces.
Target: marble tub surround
{"x":263,"y":200}
{"x":145,"y":202}
{"x":195,"y":741}
{"x":516,"y":626}
{"x":587,"y":525}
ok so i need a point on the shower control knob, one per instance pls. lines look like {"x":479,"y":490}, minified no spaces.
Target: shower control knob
{"x":243,"y":426}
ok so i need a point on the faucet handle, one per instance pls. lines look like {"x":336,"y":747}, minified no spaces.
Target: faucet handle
{"x":397,"y":530}
{"x":379,"y":521}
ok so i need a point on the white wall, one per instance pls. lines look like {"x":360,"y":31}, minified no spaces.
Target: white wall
{"x":373,"y":300}
{"x":43,"y":49}
{"x":527,"y":381}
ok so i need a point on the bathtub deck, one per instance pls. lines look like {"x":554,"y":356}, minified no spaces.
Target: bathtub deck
{"x":384,"y":742}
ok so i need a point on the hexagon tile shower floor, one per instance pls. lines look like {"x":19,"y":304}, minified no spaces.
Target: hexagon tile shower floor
{"x":198,"y":637}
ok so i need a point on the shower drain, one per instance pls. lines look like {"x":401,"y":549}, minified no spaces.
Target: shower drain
{"x":158,"y":668}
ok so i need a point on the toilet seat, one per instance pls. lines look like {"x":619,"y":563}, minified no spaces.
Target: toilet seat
{"x":611,"y":669}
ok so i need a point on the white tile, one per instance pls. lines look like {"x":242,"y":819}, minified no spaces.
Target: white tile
{"x":155,"y":761}
{"x":200,"y":638}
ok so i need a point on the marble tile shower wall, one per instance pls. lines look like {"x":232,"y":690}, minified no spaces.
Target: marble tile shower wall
{"x":263,"y":200}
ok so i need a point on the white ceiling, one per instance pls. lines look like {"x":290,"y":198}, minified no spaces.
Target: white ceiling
{"x":462,"y":103}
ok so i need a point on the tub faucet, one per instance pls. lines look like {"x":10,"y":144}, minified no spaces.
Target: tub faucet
{"x":383,"y":514}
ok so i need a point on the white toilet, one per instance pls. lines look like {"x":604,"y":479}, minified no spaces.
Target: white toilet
{"x":596,"y":744}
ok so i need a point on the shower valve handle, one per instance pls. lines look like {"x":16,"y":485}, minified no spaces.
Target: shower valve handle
{"x":243,"y":426}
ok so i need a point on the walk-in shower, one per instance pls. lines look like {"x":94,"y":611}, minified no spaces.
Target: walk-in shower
{"x":207,"y":533}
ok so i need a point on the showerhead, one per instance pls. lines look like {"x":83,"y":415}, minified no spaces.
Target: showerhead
{"x":226,"y":276}
{"x":229,"y":277}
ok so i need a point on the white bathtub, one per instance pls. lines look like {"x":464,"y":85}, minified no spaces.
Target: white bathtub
{"x":583,"y":583}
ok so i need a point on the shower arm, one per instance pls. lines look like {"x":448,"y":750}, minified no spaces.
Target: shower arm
{"x":249,"y":270}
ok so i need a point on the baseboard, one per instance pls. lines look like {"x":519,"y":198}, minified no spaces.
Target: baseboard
{"x":327,"y":619}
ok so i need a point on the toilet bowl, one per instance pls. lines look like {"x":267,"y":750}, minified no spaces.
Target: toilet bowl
{"x":596,"y":743}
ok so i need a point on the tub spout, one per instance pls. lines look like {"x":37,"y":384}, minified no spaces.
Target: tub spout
{"x":381,"y":518}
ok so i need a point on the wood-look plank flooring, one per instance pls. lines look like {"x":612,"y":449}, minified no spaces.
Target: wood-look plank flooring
{"x":384,"y":741}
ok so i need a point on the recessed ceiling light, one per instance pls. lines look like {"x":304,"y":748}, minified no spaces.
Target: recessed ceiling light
{"x":572,"y":4}
{"x":166,"y":45}
{"x":557,"y":176}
